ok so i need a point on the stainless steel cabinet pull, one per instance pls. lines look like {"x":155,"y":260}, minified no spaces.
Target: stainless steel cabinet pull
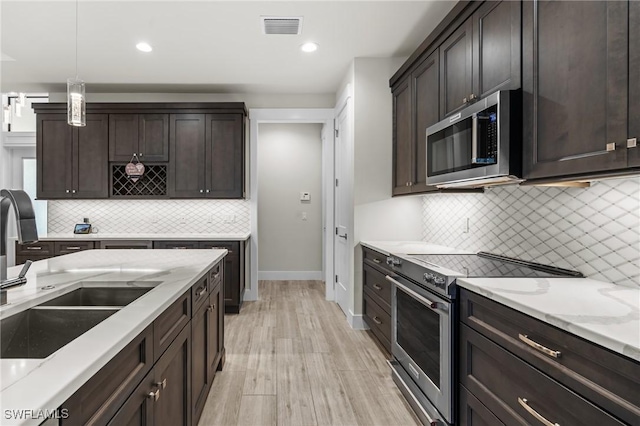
{"x":539,"y":347}
{"x":201,"y":292}
{"x":74,"y":248}
{"x":34,"y":248}
{"x":179,"y":248}
{"x":73,"y":191}
{"x":465,"y":100}
{"x":67,"y":191}
{"x":377,"y":287}
{"x":162,"y":384}
{"x":611,"y":146}
{"x":534,"y":413}
{"x":155,"y":395}
{"x":376,"y":260}
{"x":202,"y":191}
{"x":376,"y":320}
{"x":472,"y":96}
{"x":140,"y":155}
{"x":208,"y":191}
{"x":632,"y":142}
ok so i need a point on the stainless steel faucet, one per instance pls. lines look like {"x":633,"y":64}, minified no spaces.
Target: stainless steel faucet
{"x":27,"y":233}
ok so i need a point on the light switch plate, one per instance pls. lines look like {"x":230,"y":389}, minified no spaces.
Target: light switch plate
{"x":305,"y":196}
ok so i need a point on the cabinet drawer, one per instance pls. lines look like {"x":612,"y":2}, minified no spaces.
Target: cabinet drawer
{"x":609,"y":380}
{"x":379,"y":321}
{"x":179,"y":245}
{"x":199,"y":293}
{"x":518,"y":393}
{"x":376,"y":259}
{"x":169,"y":324}
{"x":215,"y":276}
{"x":473,"y":412}
{"x":66,"y":247}
{"x":378,"y":287}
{"x":126,"y":244}
{"x":41,"y":248}
{"x":102,"y":396}
{"x":232,"y":246}
{"x":21,"y":259}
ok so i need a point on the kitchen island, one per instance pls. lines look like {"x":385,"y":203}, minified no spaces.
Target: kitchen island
{"x":32,"y":385}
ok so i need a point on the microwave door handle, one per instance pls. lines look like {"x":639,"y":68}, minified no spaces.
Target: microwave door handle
{"x":474,"y":139}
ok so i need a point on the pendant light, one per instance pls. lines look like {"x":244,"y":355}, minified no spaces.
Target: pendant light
{"x":76,"y":101}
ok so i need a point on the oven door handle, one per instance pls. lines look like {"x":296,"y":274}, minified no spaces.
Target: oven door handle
{"x":422,"y":299}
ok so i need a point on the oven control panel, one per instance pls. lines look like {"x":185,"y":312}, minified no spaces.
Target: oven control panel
{"x":435,"y":280}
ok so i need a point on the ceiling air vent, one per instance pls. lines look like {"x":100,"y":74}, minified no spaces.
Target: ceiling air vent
{"x":290,"y":25}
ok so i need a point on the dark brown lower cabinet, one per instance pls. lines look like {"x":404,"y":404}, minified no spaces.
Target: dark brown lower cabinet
{"x":522,"y":370}
{"x":234,"y":284}
{"x":164,"y":375}
{"x":376,"y":305}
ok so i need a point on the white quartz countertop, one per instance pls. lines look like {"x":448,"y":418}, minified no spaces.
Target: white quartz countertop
{"x":603,"y":313}
{"x":156,"y":237}
{"x":43,"y":384}
{"x":409,"y":247}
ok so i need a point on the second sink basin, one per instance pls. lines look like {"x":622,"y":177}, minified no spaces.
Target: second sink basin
{"x":38,"y":332}
{"x":99,"y":296}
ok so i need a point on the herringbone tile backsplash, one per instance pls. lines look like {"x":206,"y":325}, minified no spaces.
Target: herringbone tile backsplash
{"x":152,"y":216}
{"x":594,"y":230}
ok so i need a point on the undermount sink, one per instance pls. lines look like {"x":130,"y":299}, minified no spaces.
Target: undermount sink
{"x":99,"y":296}
{"x":39,"y":332}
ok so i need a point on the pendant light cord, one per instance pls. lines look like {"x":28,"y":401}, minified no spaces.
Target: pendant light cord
{"x":76,"y":39}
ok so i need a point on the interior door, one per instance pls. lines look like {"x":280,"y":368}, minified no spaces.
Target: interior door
{"x":342,"y":236}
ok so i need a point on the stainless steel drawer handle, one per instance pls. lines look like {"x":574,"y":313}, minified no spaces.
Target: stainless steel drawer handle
{"x":377,"y":287}
{"x":74,"y":248}
{"x":525,"y":404}
{"x":154,"y":395}
{"x":376,"y":260}
{"x":376,"y":320}
{"x":539,"y":347}
{"x":201,"y":292}
{"x":34,"y":248}
{"x":179,"y":248}
{"x":162,"y":384}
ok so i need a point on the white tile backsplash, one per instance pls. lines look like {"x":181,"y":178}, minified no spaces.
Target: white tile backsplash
{"x":594,"y":230}
{"x":152,"y":216}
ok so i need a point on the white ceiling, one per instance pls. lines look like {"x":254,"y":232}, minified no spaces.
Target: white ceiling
{"x":202,"y":46}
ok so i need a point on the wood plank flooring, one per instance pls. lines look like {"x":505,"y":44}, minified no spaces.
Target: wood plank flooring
{"x":292,"y":359}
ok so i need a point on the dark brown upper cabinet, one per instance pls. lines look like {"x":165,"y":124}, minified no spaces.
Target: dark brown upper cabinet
{"x":415,"y":107}
{"x":576,"y":87}
{"x":145,"y":135}
{"x":72,"y":161}
{"x":207,"y":156}
{"x":456,"y":69}
{"x":481,"y":56}
{"x":634,"y":84}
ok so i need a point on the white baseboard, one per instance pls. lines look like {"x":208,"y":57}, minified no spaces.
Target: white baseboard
{"x":357,"y":321}
{"x":289,"y":275}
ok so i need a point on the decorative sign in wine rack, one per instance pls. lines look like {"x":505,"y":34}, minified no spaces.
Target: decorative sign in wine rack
{"x":152,"y":184}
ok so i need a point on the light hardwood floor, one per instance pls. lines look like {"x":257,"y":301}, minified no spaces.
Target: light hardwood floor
{"x":292,"y":359}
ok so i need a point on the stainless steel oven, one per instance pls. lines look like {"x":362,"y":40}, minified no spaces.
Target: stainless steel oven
{"x":422,"y":324}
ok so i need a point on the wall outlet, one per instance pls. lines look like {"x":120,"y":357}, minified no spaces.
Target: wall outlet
{"x":229,"y":218}
{"x":209,"y":218}
{"x":465,"y":225}
{"x":182,"y":219}
{"x":154,"y":218}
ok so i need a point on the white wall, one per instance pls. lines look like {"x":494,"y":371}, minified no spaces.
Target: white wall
{"x":289,"y":162}
{"x":251,"y":100}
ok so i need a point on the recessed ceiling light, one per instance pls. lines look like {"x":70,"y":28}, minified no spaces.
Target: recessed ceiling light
{"x":144,"y":47}
{"x":309,"y":47}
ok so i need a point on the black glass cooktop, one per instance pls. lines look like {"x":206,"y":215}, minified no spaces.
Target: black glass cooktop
{"x":487,"y":265}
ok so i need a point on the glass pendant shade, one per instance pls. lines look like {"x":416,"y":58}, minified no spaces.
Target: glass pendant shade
{"x":76,"y":103}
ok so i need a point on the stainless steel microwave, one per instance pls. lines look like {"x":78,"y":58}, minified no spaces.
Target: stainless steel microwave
{"x":479,"y":146}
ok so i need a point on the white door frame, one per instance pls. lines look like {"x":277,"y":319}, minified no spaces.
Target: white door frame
{"x":323,"y":116}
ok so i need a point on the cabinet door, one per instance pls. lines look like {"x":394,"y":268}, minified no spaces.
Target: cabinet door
{"x":54,"y":139}
{"x":456,"y":69}
{"x":172,"y":375}
{"x":402,"y":142}
{"x":187,"y":152}
{"x":634,"y":81}
{"x":201,"y":336}
{"x":178,"y":245}
{"x":225,"y":155}
{"x":473,"y":412}
{"x":216,"y":306}
{"x":575,"y":87}
{"x":153,"y":137}
{"x":123,"y":136}
{"x":90,"y":158}
{"x":138,"y":409}
{"x":426,"y":105}
{"x":496,"y":47}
